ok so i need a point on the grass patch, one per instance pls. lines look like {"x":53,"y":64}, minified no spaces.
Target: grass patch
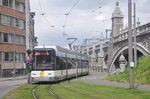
{"x":141,"y":73}
{"x":92,"y":91}
{"x":42,"y":92}
{"x":77,"y":90}
{"x":23,"y":92}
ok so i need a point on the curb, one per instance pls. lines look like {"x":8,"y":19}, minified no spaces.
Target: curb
{"x":13,"y":78}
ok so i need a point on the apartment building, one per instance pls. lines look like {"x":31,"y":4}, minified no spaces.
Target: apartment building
{"x":32,"y":38}
{"x":13,"y":31}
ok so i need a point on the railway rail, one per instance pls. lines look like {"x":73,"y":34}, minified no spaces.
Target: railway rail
{"x":33,"y":92}
{"x":49,"y":90}
{"x":52,"y":93}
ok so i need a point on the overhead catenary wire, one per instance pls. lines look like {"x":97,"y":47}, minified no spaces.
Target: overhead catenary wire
{"x":43,"y":14}
{"x":67,"y":14}
{"x":73,"y":6}
{"x":66,"y":17}
{"x":40,"y":7}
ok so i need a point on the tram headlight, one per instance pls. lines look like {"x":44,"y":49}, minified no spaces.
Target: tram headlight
{"x":33,"y":73}
{"x":49,"y":73}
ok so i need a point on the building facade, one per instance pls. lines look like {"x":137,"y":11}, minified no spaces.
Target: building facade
{"x":13,"y":30}
{"x":32,"y":38}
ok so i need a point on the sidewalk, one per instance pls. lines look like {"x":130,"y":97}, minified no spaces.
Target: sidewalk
{"x":96,"y":78}
{"x":13,"y":78}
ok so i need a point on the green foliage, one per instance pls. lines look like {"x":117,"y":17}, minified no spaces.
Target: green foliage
{"x":141,"y":73}
{"x":77,"y":90}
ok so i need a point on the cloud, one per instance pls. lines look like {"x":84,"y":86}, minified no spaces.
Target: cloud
{"x":86,"y":20}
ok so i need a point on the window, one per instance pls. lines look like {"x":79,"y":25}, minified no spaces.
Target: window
{"x":20,"y":39}
{"x":17,"y":23}
{"x":7,"y":3}
{"x":8,"y":38}
{"x":0,"y":56}
{"x":5,"y":37}
{"x":0,"y":37}
{"x":4,"y":19}
{"x":7,"y":20}
{"x":20,"y":24}
{"x":8,"y":56}
{"x":20,"y":57}
{"x":20,"y":6}
{"x":0,"y":18}
{"x":61,"y":63}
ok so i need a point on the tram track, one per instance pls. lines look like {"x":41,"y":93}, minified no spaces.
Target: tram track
{"x":52,"y":93}
{"x":33,"y":92}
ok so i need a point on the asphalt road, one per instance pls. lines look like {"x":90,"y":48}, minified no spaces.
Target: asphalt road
{"x":8,"y":84}
{"x":96,"y":78}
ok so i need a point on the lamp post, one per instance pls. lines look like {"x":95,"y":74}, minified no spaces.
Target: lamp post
{"x":130,"y":51}
{"x":14,"y":54}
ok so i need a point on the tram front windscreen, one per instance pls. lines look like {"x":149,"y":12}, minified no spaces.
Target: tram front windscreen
{"x":44,"y":60}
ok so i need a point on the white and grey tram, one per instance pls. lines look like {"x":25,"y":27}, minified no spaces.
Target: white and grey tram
{"x":54,"y":63}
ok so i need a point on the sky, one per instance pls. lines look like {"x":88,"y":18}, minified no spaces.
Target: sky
{"x":87,"y":19}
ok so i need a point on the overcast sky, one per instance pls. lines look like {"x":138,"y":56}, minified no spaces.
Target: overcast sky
{"x":89,"y":18}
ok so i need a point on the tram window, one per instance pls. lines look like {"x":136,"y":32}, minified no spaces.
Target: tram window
{"x":72,"y":63}
{"x":69,"y":64}
{"x":79,"y":63}
{"x":57,"y":63}
{"x":61,"y":63}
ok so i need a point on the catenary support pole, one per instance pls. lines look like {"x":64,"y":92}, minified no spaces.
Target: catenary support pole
{"x":135,"y":48}
{"x":130,"y":51}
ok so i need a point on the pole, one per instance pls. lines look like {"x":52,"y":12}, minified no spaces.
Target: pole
{"x":27,"y":68}
{"x":14,"y":47}
{"x":76,"y":67}
{"x":135,"y":51}
{"x":130,"y":51}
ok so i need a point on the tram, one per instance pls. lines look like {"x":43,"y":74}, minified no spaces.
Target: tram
{"x":54,"y":63}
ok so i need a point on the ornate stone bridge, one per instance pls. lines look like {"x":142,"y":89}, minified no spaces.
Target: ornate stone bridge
{"x":98,"y":53}
{"x":112,"y":55}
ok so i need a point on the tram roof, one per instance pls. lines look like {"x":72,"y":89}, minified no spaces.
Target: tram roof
{"x":59,"y":49}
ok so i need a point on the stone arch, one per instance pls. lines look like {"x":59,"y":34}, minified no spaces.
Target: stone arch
{"x":140,"y":48}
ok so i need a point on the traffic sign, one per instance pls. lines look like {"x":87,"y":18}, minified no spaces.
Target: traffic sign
{"x":28,"y":60}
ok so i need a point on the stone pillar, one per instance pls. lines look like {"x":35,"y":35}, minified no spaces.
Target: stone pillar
{"x":93,"y":55}
{"x":92,"y":63}
{"x":103,"y":66}
{"x":122,"y":63}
